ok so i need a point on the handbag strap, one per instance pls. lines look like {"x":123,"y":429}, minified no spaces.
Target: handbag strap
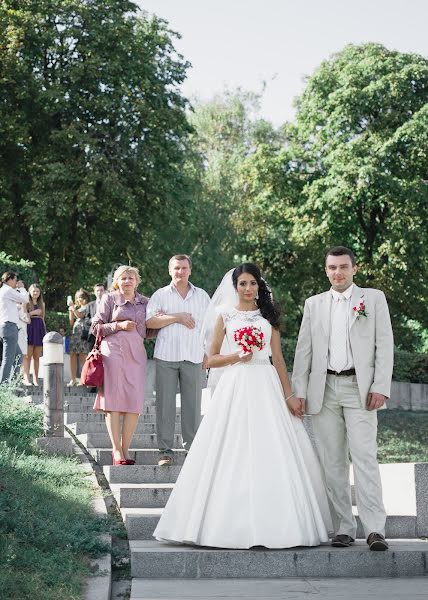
{"x":98,"y":340}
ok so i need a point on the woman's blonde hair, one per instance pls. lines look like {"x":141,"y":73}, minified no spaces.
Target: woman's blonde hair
{"x":40,"y":303}
{"x":125,"y":269}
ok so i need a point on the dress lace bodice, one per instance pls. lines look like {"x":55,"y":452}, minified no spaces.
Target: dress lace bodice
{"x":235,"y":319}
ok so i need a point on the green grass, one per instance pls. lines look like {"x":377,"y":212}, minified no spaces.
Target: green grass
{"x":48,"y":530}
{"x":402,"y":436}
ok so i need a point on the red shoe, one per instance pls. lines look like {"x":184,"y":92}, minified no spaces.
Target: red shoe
{"x":120,"y":461}
{"x":130,"y":461}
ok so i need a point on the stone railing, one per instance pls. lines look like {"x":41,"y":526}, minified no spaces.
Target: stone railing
{"x":408,"y":396}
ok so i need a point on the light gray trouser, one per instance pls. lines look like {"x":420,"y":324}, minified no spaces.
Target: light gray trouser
{"x":344,"y":426}
{"x":9,"y":340}
{"x":168,"y":374}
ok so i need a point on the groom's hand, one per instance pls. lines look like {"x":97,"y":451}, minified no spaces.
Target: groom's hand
{"x":296,"y":406}
{"x":375,"y":401}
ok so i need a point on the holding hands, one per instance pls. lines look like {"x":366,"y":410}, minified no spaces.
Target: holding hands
{"x":296,"y":406}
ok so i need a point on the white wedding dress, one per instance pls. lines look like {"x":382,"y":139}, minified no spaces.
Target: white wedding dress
{"x":251,"y":477}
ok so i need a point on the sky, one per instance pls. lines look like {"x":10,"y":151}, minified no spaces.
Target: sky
{"x":244,"y":43}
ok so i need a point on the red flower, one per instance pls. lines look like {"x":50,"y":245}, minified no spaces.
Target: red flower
{"x":249,"y":339}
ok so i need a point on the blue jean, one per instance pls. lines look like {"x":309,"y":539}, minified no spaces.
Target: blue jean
{"x":9,"y":340}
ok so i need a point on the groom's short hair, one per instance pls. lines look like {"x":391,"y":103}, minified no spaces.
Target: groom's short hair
{"x":340,"y":251}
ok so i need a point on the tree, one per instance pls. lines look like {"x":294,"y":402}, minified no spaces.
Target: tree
{"x":93,"y":138}
{"x":361,"y":138}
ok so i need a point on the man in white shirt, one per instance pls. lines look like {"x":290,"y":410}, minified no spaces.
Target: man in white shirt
{"x":99,"y":291}
{"x":177,"y":310}
{"x":342,"y":375}
{"x":10,"y":298}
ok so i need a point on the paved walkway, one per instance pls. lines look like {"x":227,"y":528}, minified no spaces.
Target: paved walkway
{"x":287,"y":589}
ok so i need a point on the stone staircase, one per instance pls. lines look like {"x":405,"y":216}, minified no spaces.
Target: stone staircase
{"x":143,"y":489}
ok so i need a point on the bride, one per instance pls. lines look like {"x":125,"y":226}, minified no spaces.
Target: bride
{"x":251,"y":477}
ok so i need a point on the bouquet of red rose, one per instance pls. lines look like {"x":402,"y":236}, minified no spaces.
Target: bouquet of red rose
{"x":249,"y":339}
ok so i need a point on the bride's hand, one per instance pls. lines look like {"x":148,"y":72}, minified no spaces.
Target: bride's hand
{"x":296,"y":406}
{"x":238,"y":358}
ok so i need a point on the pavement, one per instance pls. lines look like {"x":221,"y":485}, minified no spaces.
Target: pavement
{"x":287,"y":589}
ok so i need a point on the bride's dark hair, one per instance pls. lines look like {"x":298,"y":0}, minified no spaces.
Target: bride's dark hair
{"x":269,"y":308}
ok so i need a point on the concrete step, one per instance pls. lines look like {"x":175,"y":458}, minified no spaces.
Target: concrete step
{"x":151,"y":559}
{"x":397,"y":527}
{"x":85,"y":421}
{"x":293,"y":588}
{"x":141,"y":473}
{"x":87,"y":402}
{"x":141,"y":495}
{"x":140,"y":440}
{"x":83,"y":417}
{"x":89,"y":415}
{"x":142,"y":456}
{"x":140,"y":523}
{"x":148,"y":427}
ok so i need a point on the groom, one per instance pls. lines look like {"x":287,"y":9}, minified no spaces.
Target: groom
{"x":342,"y":375}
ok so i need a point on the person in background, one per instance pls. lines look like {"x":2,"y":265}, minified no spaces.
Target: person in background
{"x":121,"y":321}
{"x":177,"y":311}
{"x":65,"y":339}
{"x":36,"y":330}
{"x":79,"y":318}
{"x":99,"y":291}
{"x":10,"y":298}
{"x":24,"y":320}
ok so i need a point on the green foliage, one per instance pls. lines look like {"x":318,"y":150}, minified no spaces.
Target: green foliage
{"x":18,"y":419}
{"x":55,"y":320}
{"x":402,"y":436}
{"x":351,"y":171}
{"x":23,"y":268}
{"x":410,"y":366}
{"x":93,"y":137}
{"x":361,"y":138}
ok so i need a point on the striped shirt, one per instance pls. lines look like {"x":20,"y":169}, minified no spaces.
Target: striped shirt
{"x":176,"y":342}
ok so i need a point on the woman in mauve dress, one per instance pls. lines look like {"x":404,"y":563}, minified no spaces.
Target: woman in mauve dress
{"x":121,"y":320}
{"x":36,"y":331}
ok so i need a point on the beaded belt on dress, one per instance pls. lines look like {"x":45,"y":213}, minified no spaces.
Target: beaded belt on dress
{"x":256,"y":361}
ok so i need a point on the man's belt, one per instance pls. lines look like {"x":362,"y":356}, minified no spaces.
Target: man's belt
{"x":342,"y":373}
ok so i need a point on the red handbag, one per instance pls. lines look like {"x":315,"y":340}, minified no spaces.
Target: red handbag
{"x":93,"y":368}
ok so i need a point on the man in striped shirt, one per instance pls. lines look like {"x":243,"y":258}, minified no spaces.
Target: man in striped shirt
{"x":178,"y":310}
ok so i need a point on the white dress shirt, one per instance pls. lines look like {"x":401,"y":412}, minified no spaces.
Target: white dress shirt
{"x":176,"y":342}
{"x":339,"y":352}
{"x":9,"y":300}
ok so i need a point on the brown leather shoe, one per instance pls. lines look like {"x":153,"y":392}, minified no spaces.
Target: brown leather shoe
{"x":165,"y":461}
{"x":342,"y":541}
{"x":376,"y":541}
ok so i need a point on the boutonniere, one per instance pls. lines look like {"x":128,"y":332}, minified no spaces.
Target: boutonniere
{"x":360,"y":310}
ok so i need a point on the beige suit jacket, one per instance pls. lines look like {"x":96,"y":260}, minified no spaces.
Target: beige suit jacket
{"x":371,"y":341}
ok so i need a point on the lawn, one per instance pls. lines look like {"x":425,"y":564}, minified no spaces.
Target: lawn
{"x":402,"y":436}
{"x":47,"y":527}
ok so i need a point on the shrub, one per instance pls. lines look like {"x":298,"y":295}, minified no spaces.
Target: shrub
{"x":55,"y":320}
{"x":410,"y":366}
{"x":19,"y":420}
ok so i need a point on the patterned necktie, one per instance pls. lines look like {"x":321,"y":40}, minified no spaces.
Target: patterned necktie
{"x":338,"y":348}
